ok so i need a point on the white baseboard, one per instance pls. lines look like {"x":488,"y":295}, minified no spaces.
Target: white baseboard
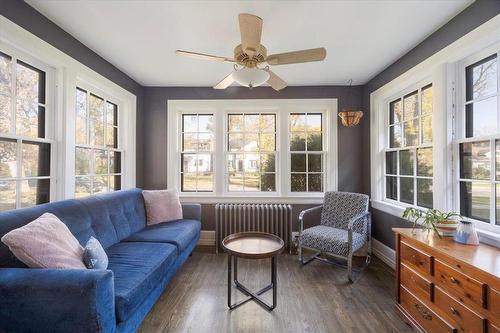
{"x":207,"y":237}
{"x":384,"y":253}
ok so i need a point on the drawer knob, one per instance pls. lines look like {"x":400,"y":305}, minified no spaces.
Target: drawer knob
{"x":454,"y":311}
{"x":425,"y":314}
{"x":454,"y":281}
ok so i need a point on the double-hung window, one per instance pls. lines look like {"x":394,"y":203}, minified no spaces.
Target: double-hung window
{"x":252,"y":148}
{"x":478,"y":140}
{"x":408,"y":156}
{"x":25,"y":148}
{"x":97,"y":154}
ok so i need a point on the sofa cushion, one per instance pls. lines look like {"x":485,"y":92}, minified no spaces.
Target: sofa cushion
{"x":162,"y":205}
{"x":180,"y":233}
{"x":138,"y":268}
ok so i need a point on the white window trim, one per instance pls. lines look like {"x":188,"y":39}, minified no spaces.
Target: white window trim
{"x":67,"y":72}
{"x":282,"y":107}
{"x":440,"y":70}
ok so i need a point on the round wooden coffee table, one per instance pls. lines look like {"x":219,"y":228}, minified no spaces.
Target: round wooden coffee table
{"x":252,"y":245}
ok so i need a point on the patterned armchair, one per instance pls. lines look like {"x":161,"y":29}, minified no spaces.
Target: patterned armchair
{"x":345,"y":227}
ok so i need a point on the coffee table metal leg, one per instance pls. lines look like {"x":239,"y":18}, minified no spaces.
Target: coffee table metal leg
{"x":235,"y":268}
{"x":229,"y":259}
{"x":274,"y":280}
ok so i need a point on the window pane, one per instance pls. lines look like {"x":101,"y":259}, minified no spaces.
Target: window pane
{"x":410,"y":106}
{"x":407,"y":189}
{"x":315,"y":182}
{"x":5,"y":74}
{"x":395,"y":136}
{"x":481,"y":78}
{"x":427,"y":100}
{"x":111,"y":136}
{"x":115,"y":162}
{"x":267,"y":163}
{"x":188,"y":182}
{"x":497,"y":159}
{"x":115,"y":182}
{"x":251,"y":181}
{"x":251,"y":142}
{"x":204,"y":163}
{"x":391,"y":188}
{"x":314,"y":163}
{"x":205,"y":142}
{"x":475,"y":200}
{"x":7,"y":195}
{"x":236,"y":181}
{"x":30,"y":83}
{"x":8,"y":159}
{"x":427,"y":129}
{"x":298,"y":163}
{"x":424,"y":162}
{"x":206,"y":123}
{"x":481,"y":118}
{"x":298,"y":182}
{"x":475,"y":160}
{"x":81,"y":103}
{"x":406,"y":162}
{"x":111,"y":114}
{"x":189,"y":123}
{"x":81,"y":131}
{"x":395,"y":115}
{"x":34,"y":192}
{"x":235,"y":123}
{"x":188,"y":162}
{"x":391,"y":162}
{"x":411,"y":132}
{"x":189,"y":141}
{"x":268,"y":142}
{"x":5,"y":114}
{"x":100,"y":161}
{"x":314,"y":122}
{"x":36,"y":159}
{"x":268,"y":123}
{"x":82,"y":187}
{"x":235,"y":142}
{"x":82,"y":161}
{"x":268,"y":182}
{"x":297,"y":122}
{"x":297,"y":142}
{"x":314,"y":142}
{"x":252,"y":122}
{"x":424,"y":192}
{"x":30,"y":119}
{"x":235,"y":163}
{"x":205,"y":182}
{"x":497,"y":202}
{"x":101,"y":184}
{"x":97,"y":132}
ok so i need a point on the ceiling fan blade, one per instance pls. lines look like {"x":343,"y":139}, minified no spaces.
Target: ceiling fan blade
{"x":251,"y":32}
{"x":202,"y":56}
{"x":226,"y":82}
{"x":297,"y":56}
{"x":275,"y":81}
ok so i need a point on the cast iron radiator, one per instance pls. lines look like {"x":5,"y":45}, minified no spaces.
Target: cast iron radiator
{"x":272,"y":218}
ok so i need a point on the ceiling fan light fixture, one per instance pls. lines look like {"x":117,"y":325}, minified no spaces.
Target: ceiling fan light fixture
{"x":250,"y":77}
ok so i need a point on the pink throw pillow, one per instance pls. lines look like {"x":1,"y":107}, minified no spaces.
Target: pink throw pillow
{"x":45,"y":243}
{"x":162,"y":206}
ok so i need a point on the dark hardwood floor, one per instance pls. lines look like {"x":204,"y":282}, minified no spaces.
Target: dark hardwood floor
{"x":312,"y":298}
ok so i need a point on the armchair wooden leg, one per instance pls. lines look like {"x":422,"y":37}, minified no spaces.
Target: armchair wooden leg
{"x":349,"y":268}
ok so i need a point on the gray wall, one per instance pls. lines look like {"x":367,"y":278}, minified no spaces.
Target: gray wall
{"x":28,"y":18}
{"x":473,"y":16}
{"x":155,"y":133}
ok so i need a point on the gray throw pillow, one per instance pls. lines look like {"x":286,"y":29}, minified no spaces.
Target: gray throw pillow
{"x":94,"y":255}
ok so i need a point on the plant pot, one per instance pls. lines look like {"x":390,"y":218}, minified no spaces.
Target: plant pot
{"x":446,"y":227}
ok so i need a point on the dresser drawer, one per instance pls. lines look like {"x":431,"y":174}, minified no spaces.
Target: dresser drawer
{"x":494,"y":303}
{"x":426,"y":318}
{"x":493,"y":329}
{"x":466,"y":289}
{"x":415,"y":259}
{"x":465,"y":319}
{"x":414,"y":282}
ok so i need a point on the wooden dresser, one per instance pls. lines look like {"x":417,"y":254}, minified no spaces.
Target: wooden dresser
{"x":443,"y":286}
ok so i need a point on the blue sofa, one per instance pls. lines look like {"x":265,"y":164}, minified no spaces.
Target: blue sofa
{"x":142,"y":261}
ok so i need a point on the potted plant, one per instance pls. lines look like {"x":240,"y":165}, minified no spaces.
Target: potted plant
{"x":440,"y":222}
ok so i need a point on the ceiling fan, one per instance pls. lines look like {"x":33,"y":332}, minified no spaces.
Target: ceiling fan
{"x":251,"y":62}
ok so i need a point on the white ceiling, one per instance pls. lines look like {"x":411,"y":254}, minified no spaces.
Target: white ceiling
{"x":140,"y":37}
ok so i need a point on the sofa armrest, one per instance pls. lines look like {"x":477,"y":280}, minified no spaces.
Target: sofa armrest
{"x":191,"y":211}
{"x":56,"y":300}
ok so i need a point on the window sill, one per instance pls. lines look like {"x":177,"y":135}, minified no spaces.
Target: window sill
{"x":388,"y":208}
{"x":488,"y":237}
{"x":212,"y":199}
